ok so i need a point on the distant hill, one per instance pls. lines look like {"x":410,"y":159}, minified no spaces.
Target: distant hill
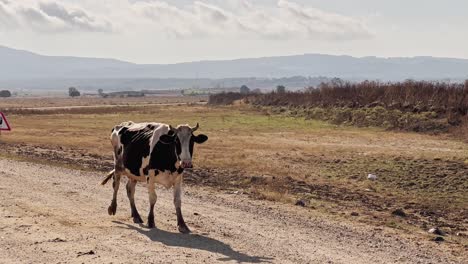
{"x":27,"y":70}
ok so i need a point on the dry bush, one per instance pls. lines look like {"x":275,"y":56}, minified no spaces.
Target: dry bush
{"x":409,"y":96}
{"x":461,"y":131}
{"x":225,"y":98}
{"x":409,"y":105}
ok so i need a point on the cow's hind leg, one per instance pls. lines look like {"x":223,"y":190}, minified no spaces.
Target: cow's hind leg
{"x":116,"y":184}
{"x":131,"y":197}
{"x":183,"y":228}
{"x":152,"y":199}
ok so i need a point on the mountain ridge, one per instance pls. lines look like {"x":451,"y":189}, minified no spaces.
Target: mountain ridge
{"x":20,"y":68}
{"x":238,"y":59}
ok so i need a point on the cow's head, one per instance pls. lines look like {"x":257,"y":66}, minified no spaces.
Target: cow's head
{"x":185,"y":140}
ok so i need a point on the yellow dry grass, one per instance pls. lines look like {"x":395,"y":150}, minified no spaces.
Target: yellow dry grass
{"x":23,"y":102}
{"x":240,"y":138}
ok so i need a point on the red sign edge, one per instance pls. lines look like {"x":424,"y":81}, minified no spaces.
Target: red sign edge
{"x":6,"y":122}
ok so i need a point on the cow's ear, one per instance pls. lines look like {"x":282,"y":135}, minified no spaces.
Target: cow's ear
{"x":200,"y":138}
{"x":166,"y":139}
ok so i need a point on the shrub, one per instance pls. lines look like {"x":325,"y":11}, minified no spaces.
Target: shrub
{"x":409,"y":105}
{"x":73,"y":92}
{"x":244,"y":89}
{"x":5,"y":93}
{"x":409,"y":96}
{"x":281,"y":89}
{"x":225,"y":98}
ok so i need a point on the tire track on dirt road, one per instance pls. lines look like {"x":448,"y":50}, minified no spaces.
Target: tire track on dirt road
{"x":56,"y":215}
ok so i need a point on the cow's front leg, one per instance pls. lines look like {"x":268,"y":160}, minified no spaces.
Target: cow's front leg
{"x":131,"y":197}
{"x":152,"y":200}
{"x":183,"y":228}
{"x":116,"y":183}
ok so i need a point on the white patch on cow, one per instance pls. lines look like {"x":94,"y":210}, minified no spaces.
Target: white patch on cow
{"x":152,"y":173}
{"x":140,"y":126}
{"x":115,"y":139}
{"x":118,"y":151}
{"x":184,"y":132}
{"x":167,"y":179}
{"x":144,"y":163}
{"x":178,"y":191}
{"x":133,"y":176}
{"x":151,"y":191}
{"x":161,"y":129}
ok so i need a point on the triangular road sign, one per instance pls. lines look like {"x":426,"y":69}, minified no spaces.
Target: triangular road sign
{"x":4,"y":123}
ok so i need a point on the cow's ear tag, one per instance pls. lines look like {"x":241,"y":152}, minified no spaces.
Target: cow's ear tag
{"x":166,"y":139}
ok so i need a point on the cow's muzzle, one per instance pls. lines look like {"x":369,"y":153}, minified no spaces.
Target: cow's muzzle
{"x":186,"y":164}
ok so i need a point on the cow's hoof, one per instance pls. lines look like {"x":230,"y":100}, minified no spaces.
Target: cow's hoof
{"x":184,"y":229}
{"x":112,"y":209}
{"x":151,"y":224}
{"x":137,"y":220}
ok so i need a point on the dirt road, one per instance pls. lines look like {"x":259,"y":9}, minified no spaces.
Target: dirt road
{"x":57,"y":215}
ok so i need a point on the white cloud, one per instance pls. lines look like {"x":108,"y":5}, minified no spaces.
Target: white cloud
{"x":315,"y":22}
{"x":207,"y":19}
{"x":75,"y":18}
{"x":49,"y":16}
{"x":7,"y":18}
{"x":285,"y":20}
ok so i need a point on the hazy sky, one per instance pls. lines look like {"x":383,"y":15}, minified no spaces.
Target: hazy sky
{"x":185,"y":30}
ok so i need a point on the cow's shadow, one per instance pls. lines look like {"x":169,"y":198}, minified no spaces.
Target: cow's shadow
{"x":195,"y":241}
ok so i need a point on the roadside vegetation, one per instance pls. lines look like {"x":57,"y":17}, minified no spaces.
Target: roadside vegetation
{"x":411,"y":106}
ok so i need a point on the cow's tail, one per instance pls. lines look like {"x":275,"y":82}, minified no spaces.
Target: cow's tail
{"x":108,"y":177}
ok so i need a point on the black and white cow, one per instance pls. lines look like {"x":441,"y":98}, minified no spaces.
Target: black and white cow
{"x":151,"y":152}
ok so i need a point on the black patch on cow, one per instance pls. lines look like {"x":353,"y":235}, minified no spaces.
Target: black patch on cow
{"x":123,"y":130}
{"x":166,"y":139}
{"x":192,"y":142}
{"x":146,"y":170}
{"x":180,"y":170}
{"x":136,"y":147}
{"x":200,"y":139}
{"x":119,"y":151}
{"x":163,"y":157}
{"x":150,"y":126}
{"x":178,"y":148}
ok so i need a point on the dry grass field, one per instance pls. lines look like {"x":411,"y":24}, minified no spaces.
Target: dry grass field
{"x":276,"y":158}
{"x":35,"y":102}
